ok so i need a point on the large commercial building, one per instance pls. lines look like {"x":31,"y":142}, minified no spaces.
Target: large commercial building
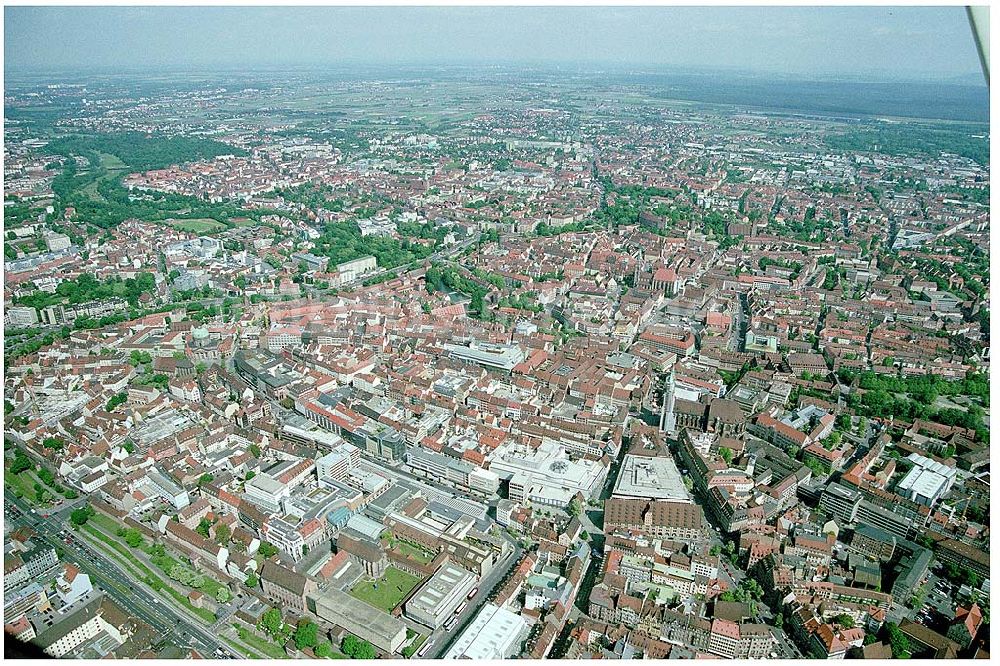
{"x":382,"y":630}
{"x":841,"y":503}
{"x":338,"y":462}
{"x":547,"y":475}
{"x":677,"y":521}
{"x":21,"y":316}
{"x":352,"y":270}
{"x":494,"y":357}
{"x":437,"y":600}
{"x":266,"y":492}
{"x":927,"y":481}
{"x":651,"y":478}
{"x":450,"y":471}
{"x":496,"y":633}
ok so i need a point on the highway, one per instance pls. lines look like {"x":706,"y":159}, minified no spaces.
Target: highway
{"x":131,"y":595}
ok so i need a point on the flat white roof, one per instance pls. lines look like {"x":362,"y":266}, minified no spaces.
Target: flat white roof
{"x":923,"y":482}
{"x":490,"y":636}
{"x":651,"y":478}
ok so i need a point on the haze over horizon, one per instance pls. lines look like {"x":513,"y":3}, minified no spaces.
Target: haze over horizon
{"x":859,"y":43}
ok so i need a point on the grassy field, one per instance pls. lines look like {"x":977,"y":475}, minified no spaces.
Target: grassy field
{"x":260,"y":644}
{"x":111,"y":166}
{"x":241,"y":222}
{"x":388,"y":591}
{"x":241,"y":648}
{"x":151,"y":578}
{"x":202,"y":225}
{"x":21,"y":485}
{"x":419,"y":554}
{"x":111,"y":162}
{"x":106,"y":523}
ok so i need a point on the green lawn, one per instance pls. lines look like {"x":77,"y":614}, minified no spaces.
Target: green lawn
{"x":244,"y":223}
{"x":390,"y":590}
{"x":418,"y":554}
{"x":111,"y":162}
{"x":204,"y":225}
{"x":260,"y":644}
{"x":211,"y":586}
{"x":241,"y":648}
{"x":21,"y":485}
{"x":106,"y":523}
{"x":150,"y":579}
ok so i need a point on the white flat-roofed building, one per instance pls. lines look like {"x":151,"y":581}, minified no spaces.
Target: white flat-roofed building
{"x":266,"y":492}
{"x":352,"y":270}
{"x":451,"y":471}
{"x":651,"y":478}
{"x":496,"y":633}
{"x":21,"y":316}
{"x":159,"y":485}
{"x":497,"y":357}
{"x":323,"y":439}
{"x":547,"y":473}
{"x":928,"y":480}
{"x":437,"y":600}
{"x":339,"y":462}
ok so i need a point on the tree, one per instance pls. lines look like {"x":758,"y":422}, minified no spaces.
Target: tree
{"x":80,"y":516}
{"x":323,"y":650}
{"x":55,"y":443}
{"x":267,"y":550}
{"x":844,"y":620}
{"x":222,"y":534}
{"x":137,"y":357}
{"x":968,"y":577}
{"x":222,"y":595}
{"x":726,"y":454}
{"x":204,"y":527}
{"x":250,"y":475}
{"x":753,"y":588}
{"x":271,"y":622}
{"x":205,"y":478}
{"x":251,"y":581}
{"x":305,"y":634}
{"x":898,"y":641}
{"x":116,"y":400}
{"x":356,"y":648}
{"x":131,"y":536}
{"x":22,"y":462}
{"x":574,"y":507}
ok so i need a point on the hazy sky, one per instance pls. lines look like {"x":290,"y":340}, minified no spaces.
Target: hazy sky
{"x":890,"y":42}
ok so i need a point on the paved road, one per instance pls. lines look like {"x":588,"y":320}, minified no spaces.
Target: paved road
{"x":131,"y":595}
{"x":442,"y":639}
